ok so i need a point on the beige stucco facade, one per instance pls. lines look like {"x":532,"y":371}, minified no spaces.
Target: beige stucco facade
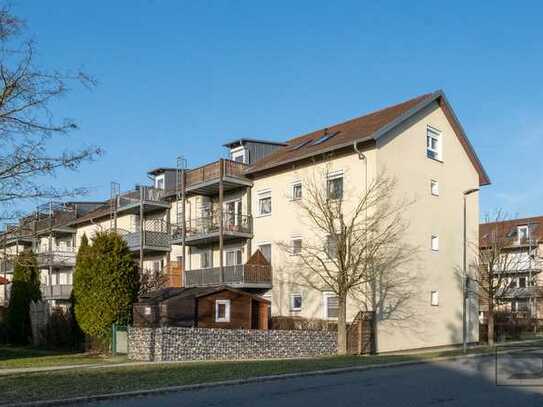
{"x":402,"y":155}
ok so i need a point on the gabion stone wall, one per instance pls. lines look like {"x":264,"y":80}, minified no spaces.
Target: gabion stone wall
{"x":171,"y":343}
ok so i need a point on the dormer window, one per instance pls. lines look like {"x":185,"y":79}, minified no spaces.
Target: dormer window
{"x":523,"y":234}
{"x":238,"y":154}
{"x":159,"y":181}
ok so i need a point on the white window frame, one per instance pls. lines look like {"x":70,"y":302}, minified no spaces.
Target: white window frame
{"x":523,"y":227}
{"x":434,"y":187}
{"x":434,"y":242}
{"x":325,"y":296}
{"x":434,"y":298}
{"x":292,"y":189}
{"x":158,"y":178}
{"x":434,"y":153}
{"x":226,"y":304}
{"x":264,"y":194}
{"x":292,"y":297}
{"x":238,"y":152}
{"x":333,"y":175}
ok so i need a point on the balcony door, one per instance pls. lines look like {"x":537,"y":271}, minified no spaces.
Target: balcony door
{"x":232,"y":211}
{"x":233,"y":257}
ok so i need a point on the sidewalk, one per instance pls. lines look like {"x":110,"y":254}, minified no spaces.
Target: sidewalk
{"x":4,"y":372}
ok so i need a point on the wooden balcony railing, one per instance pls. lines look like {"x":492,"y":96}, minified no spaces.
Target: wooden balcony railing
{"x":212,"y":172}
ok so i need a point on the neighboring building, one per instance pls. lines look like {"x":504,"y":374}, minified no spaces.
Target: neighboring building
{"x":520,"y":295}
{"x":211,"y":220}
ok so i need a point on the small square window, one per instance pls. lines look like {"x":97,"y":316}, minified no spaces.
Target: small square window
{"x":434,"y":187}
{"x":296,"y":302}
{"x":297,"y":191}
{"x":222,"y":311}
{"x":296,"y":247}
{"x":147,"y":311}
{"x":435,"y":242}
{"x":434,"y":298}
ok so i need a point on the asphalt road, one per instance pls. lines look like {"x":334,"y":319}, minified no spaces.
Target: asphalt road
{"x":467,"y":382}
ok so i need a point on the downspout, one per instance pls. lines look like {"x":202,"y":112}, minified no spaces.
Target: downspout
{"x":362,"y":156}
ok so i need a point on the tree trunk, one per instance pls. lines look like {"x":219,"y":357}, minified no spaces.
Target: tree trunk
{"x":490,"y":324}
{"x":342,"y":326}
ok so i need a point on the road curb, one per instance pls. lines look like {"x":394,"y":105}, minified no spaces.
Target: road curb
{"x":270,"y":378}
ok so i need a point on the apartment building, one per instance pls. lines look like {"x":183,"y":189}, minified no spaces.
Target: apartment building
{"x":210,"y":220}
{"x":48,"y":231}
{"x":235,"y":206}
{"x":520,"y":270}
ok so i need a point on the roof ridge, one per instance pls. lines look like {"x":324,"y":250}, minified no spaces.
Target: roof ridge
{"x":364,"y":115}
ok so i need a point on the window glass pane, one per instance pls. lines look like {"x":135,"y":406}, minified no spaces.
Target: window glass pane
{"x":296,"y":246}
{"x":435,"y":243}
{"x":335,"y":188}
{"x":230,"y":258}
{"x":434,"y":187}
{"x":221,"y":311}
{"x":332,"y":306}
{"x":331,"y":247}
{"x":297,"y":191}
{"x":264,"y":205}
{"x":434,"y":298}
{"x":296,"y":302}
{"x":266,"y":251}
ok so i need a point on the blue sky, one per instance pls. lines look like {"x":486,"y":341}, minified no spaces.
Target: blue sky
{"x":181,"y":78}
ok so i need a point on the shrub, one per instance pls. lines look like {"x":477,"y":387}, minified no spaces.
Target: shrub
{"x":300,"y":323}
{"x":106,"y":283}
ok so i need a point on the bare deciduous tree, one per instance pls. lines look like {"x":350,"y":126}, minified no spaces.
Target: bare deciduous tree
{"x":152,"y":280}
{"x":495,"y":258}
{"x":357,"y":249}
{"x":27,"y":124}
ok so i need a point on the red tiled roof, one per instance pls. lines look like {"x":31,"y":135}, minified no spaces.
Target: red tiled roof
{"x":364,"y":128}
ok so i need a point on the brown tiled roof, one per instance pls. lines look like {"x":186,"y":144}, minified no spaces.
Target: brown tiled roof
{"x":508,"y":226}
{"x":364,"y":128}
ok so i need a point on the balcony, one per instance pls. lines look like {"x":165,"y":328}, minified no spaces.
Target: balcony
{"x":156,"y":236}
{"x":242,"y":275}
{"x":150,"y":198}
{"x":57,"y":257}
{"x":206,"y":230}
{"x":204,"y":180}
{"x":56,"y":292}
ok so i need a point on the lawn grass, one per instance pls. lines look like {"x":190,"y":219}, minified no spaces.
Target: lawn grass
{"x":12,"y":357}
{"x":84,"y":382}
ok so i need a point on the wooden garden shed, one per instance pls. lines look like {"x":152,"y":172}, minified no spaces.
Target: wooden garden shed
{"x":203,"y":307}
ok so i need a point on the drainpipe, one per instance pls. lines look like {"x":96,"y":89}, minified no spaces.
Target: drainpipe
{"x":362,"y":156}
